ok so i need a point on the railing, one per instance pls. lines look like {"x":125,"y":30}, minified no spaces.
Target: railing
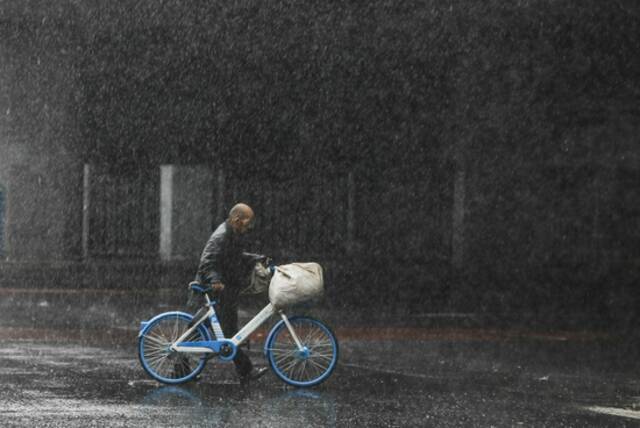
{"x":123,"y":213}
{"x":307,"y":216}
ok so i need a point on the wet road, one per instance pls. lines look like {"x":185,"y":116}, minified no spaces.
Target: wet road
{"x":437,"y":378}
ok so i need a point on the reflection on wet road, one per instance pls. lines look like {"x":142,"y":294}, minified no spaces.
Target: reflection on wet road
{"x":525,"y":382}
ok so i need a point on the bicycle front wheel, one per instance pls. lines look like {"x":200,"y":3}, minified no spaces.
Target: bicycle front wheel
{"x":309,"y":366}
{"x":158,"y":360}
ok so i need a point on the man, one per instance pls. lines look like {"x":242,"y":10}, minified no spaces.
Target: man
{"x":225,"y":267}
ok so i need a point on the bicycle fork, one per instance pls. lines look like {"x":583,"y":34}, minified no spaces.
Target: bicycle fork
{"x":293,"y":333}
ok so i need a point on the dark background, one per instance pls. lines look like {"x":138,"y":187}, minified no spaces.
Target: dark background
{"x":473,"y":157}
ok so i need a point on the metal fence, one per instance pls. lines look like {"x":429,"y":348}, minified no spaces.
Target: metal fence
{"x":123,"y":213}
{"x":305,"y":217}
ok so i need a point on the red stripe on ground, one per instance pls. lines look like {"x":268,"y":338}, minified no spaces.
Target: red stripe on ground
{"x":128,"y":335}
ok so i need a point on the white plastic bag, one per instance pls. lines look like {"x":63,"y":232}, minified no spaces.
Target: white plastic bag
{"x":296,"y":283}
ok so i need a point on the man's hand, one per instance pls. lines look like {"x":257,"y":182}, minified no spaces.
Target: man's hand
{"x":217,"y":287}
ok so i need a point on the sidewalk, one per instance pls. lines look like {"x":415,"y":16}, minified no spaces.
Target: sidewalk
{"x":80,"y":313}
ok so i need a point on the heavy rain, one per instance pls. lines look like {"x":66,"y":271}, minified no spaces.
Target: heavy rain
{"x":465,"y":175}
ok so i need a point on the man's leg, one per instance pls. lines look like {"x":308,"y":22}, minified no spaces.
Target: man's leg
{"x":228,"y":310}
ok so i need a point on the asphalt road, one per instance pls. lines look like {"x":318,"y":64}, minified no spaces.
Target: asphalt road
{"x":417,"y":377}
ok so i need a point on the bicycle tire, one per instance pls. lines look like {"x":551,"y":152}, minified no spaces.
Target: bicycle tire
{"x":158,"y":361}
{"x":292,"y":366}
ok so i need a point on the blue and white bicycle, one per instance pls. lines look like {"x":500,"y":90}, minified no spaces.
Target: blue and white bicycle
{"x":174,"y":347}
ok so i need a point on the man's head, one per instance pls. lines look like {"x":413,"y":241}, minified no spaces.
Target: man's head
{"x":241,"y":218}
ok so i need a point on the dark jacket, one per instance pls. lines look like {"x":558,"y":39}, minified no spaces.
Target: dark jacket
{"x":223,"y":259}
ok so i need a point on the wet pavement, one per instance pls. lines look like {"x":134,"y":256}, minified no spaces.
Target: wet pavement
{"x":69,"y":360}
{"x":95,"y":380}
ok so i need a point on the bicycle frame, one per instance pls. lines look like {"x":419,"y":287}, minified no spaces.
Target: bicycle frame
{"x":214,"y":346}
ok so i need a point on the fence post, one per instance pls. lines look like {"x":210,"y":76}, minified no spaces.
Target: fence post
{"x":86,"y":199}
{"x":2,"y":199}
{"x":220,"y":214}
{"x":166,"y":211}
{"x":350,"y":213}
{"x":459,"y":181}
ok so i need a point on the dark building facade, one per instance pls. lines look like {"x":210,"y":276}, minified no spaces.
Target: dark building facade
{"x":468,"y":156}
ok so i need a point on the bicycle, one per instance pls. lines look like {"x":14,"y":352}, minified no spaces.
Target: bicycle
{"x":173,"y":349}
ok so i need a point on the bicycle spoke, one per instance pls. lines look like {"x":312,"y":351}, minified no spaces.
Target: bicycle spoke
{"x":287,"y":351}
{"x":318,"y":366}
{"x":284,"y":358}
{"x":295,"y":373}
{"x":323,"y":345}
{"x":185,"y":364}
{"x":174,"y":332}
{"x":312,"y":334}
{"x":160,"y":360}
{"x":158,"y":356}
{"x":152,"y":350}
{"x":320,"y":362}
{"x":280,"y":349}
{"x":156,"y":339}
{"x":323,"y":357}
{"x":155,"y":361}
{"x":303,"y":366}
{"x":290,"y":365}
{"x":316,"y":370}
{"x":161,"y":363}
{"x":155,"y":343}
{"x":294,"y":367}
{"x":155,"y":354}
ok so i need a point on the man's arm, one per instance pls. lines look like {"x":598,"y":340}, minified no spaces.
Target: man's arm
{"x":210,"y":261}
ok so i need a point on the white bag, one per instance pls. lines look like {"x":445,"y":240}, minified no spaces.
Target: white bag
{"x":296,"y":283}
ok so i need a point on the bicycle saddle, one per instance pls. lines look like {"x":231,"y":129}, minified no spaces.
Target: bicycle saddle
{"x":199,"y":288}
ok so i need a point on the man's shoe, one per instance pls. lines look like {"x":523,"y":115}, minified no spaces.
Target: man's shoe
{"x":254,"y":374}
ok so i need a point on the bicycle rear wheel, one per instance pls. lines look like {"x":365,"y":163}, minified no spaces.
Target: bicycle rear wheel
{"x":158,"y":360}
{"x":311,"y":366}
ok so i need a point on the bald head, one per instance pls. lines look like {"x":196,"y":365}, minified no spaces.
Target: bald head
{"x":241,"y":210}
{"x":241,"y":218}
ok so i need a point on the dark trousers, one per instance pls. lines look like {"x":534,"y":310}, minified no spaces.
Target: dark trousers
{"x":227,"y":310}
